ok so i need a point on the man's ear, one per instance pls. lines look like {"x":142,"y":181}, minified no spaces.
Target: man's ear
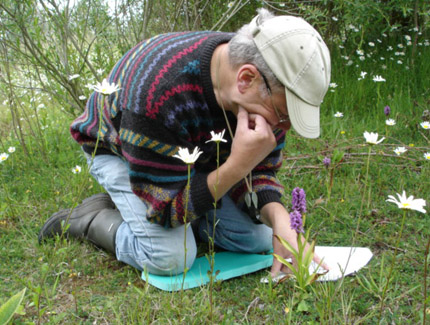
{"x":246,"y":77}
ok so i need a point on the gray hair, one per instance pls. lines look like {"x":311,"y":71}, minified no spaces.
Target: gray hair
{"x":242,"y":50}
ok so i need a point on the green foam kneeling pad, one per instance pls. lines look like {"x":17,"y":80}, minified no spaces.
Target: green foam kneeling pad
{"x":229,"y":265}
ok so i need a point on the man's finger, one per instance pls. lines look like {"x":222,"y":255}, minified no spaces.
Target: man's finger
{"x":276,"y":267}
{"x":261,"y":124}
{"x":318,"y":260}
{"x":242,"y":118}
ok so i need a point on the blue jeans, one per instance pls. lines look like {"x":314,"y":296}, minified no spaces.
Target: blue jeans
{"x":145,"y":245}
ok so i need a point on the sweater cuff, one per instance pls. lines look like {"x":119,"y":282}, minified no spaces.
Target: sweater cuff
{"x":200,"y":195}
{"x":265,"y":197}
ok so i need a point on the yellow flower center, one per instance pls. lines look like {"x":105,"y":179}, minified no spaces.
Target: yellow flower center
{"x":406,"y":205}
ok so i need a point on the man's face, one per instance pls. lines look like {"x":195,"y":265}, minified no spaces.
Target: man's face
{"x":271,"y":106}
{"x":277,"y":101}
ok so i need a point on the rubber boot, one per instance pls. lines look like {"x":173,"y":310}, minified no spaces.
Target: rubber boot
{"x":96,"y":219}
{"x":102,"y":230}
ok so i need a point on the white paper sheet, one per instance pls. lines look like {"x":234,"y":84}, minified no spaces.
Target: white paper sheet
{"x":342,"y":261}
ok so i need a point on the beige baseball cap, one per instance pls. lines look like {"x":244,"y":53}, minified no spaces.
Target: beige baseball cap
{"x":299,"y":58}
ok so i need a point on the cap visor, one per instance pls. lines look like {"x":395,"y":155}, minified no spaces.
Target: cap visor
{"x":305,"y":118}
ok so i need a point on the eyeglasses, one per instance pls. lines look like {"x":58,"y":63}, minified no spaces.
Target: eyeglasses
{"x":281,"y":117}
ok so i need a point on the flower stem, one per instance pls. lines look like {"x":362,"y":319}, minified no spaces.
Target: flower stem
{"x":187,"y":193}
{"x":330,"y":184}
{"x":9,"y":201}
{"x":425,"y":280}
{"x":98,"y":132}
{"x":212,"y":240}
{"x":392,"y":265}
{"x":367,"y":175}
{"x":363,"y":195}
{"x":357,"y":228}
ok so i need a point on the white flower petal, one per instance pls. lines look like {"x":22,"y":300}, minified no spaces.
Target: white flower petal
{"x":187,"y":157}
{"x":217,"y":137}
{"x":106,"y":88}
{"x":372,"y":138}
{"x":73,"y":76}
{"x":408,"y":203}
{"x":425,"y":125}
{"x":390,"y":122}
{"x":378,"y":78}
{"x":3,"y":156}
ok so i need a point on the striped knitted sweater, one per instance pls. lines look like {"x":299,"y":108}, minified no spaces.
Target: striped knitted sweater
{"x":166,"y":101}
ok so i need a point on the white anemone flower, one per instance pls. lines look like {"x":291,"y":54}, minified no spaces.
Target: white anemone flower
{"x":390,"y":122}
{"x":76,"y":170}
{"x":3,"y":157}
{"x":372,"y":138}
{"x":73,"y":76}
{"x":408,"y":203}
{"x":217,"y":137}
{"x":427,"y":155}
{"x":106,"y":88}
{"x":338,"y":114}
{"x":187,"y":157}
{"x":362,"y":75}
{"x":399,"y":150}
{"x":82,"y":97}
{"x":378,"y":79}
{"x":11,"y":149}
{"x":425,"y":125}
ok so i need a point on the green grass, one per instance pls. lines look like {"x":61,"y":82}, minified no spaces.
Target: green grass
{"x":73,"y":282}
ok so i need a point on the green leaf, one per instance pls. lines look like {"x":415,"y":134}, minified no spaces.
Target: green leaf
{"x":11,"y":306}
{"x":303,"y":306}
{"x":337,"y":156}
{"x":427,"y":300}
{"x":287,"y":245}
{"x":283,"y":261}
{"x":309,"y":255}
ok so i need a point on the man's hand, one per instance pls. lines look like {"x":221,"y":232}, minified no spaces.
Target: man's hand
{"x":253,"y":141}
{"x":277,"y":217}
